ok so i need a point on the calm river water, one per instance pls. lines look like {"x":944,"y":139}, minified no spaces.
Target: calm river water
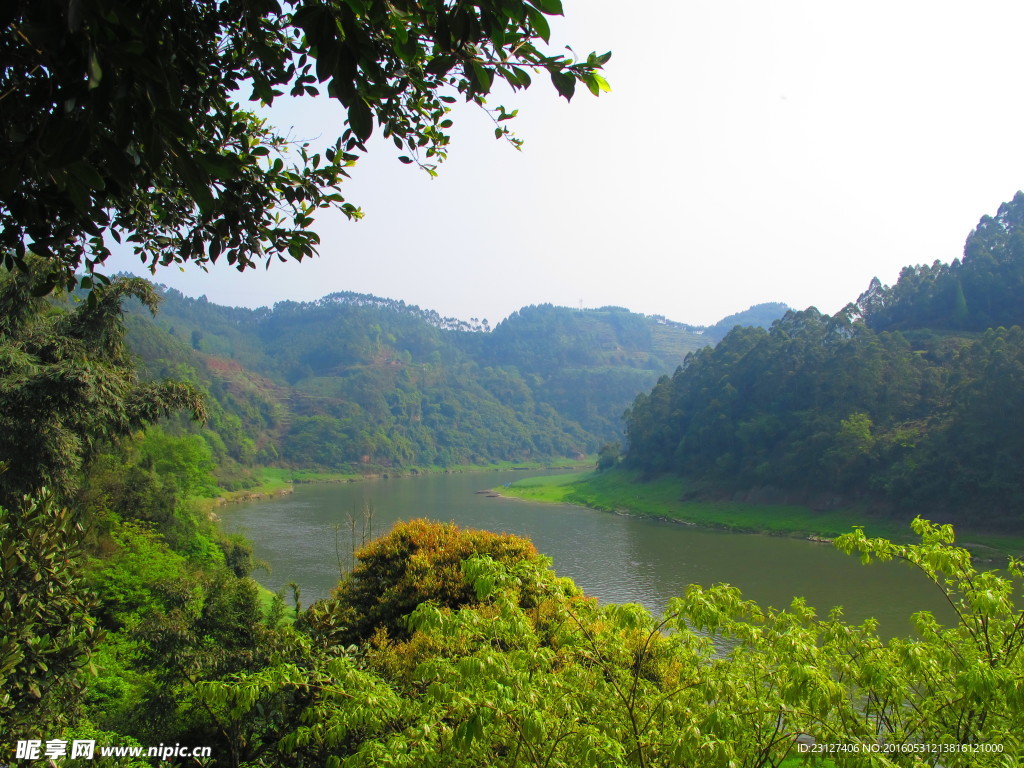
{"x":615,"y":558}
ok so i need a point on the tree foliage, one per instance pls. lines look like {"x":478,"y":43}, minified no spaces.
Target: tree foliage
{"x":893,"y":401}
{"x":365,"y":384}
{"x":45,"y":611}
{"x":530,"y":673}
{"x":416,"y":562}
{"x":175,"y":608}
{"x":134,"y":120}
{"x":67,"y":383}
{"x":68,"y":392}
{"x":760,"y":315}
{"x":983,"y":290}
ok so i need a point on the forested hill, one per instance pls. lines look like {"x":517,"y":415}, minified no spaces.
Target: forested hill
{"x":983,"y":290}
{"x":358,"y":381}
{"x":910,"y":400}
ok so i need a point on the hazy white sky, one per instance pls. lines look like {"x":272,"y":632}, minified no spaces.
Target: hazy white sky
{"x":750,"y":151}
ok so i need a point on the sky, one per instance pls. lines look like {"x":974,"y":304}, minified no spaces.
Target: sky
{"x":748,"y":152}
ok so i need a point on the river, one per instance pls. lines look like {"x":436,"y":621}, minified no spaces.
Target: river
{"x":304,"y":538}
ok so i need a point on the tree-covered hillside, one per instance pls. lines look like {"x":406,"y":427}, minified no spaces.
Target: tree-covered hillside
{"x":588,"y":365}
{"x":356,"y":381}
{"x":910,"y":400}
{"x":983,"y":290}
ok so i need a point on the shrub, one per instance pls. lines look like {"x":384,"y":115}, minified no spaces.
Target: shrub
{"x":417,"y":561}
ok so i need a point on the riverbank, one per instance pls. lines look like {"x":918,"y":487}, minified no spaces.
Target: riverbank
{"x":623,"y":492}
{"x":277,"y":481}
{"x":275,"y":477}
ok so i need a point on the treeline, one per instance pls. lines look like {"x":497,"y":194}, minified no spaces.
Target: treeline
{"x":910,"y":399}
{"x":983,"y":290}
{"x":355,"y":382}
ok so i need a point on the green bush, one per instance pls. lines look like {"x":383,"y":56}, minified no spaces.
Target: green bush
{"x":417,"y":561}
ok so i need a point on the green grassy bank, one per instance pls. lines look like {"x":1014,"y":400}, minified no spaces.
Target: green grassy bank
{"x":278,"y":474}
{"x":624,"y":492}
{"x":275,"y":481}
{"x":275,"y":478}
{"x":504,"y":466}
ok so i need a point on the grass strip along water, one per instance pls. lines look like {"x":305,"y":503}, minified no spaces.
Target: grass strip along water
{"x":665,"y":497}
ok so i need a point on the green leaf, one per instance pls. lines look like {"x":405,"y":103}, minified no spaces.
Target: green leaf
{"x":440,"y":65}
{"x":95,"y":72}
{"x":539,"y":23}
{"x":197,"y":184}
{"x":483,"y":77}
{"x":79,"y":194}
{"x":86,"y":174}
{"x":220,"y":166}
{"x":361,"y":119}
{"x":596,"y":84}
{"x":517,"y":77}
{"x":551,"y":7}
{"x":564,"y":83}
{"x":44,"y":288}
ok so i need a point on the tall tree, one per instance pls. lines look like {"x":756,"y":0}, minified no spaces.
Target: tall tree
{"x":67,"y":384}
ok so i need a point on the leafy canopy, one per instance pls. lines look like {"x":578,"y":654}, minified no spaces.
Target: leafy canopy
{"x":132,"y":120}
{"x":417,"y":561}
{"x":68,"y":385}
{"x":45,"y":610}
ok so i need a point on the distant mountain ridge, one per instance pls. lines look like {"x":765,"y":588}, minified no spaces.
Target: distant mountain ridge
{"x":758,"y":316}
{"x":359,"y":381}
